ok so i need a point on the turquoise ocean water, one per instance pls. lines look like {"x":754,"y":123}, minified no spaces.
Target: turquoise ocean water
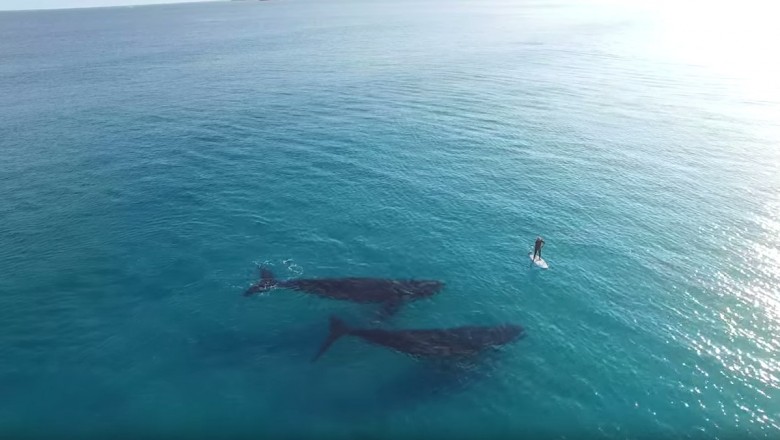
{"x":151,"y":157}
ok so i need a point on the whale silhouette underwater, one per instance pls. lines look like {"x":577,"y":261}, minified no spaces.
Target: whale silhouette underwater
{"x":390,"y":293}
{"x":449,"y":343}
{"x":464,"y":342}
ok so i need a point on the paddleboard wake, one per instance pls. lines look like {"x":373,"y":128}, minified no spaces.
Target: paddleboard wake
{"x":538,"y":261}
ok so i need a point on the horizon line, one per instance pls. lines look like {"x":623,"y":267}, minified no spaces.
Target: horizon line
{"x":129,"y":5}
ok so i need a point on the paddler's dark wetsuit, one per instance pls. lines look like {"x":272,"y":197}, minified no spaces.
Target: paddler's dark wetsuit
{"x":538,"y":247}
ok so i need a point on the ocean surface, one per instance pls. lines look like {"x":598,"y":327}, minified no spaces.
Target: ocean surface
{"x":151,"y":157}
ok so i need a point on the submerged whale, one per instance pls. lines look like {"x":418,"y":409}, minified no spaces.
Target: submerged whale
{"x":456,"y":342}
{"x":391,"y":293}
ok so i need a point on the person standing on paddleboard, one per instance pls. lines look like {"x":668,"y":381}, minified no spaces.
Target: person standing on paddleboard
{"x":538,"y":247}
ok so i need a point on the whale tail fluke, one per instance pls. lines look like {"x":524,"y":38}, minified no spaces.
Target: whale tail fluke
{"x":337,"y":329}
{"x":267,"y":281}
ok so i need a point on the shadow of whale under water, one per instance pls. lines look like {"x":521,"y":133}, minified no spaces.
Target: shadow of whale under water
{"x":423,"y":383}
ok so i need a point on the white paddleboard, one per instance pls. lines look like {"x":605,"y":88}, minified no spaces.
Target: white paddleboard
{"x":539,"y":261}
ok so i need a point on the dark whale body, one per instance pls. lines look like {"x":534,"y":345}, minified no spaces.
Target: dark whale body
{"x":456,"y":342}
{"x":388,"y":292}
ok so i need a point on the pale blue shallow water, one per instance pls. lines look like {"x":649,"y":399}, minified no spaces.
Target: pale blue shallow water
{"x":151,"y":156}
